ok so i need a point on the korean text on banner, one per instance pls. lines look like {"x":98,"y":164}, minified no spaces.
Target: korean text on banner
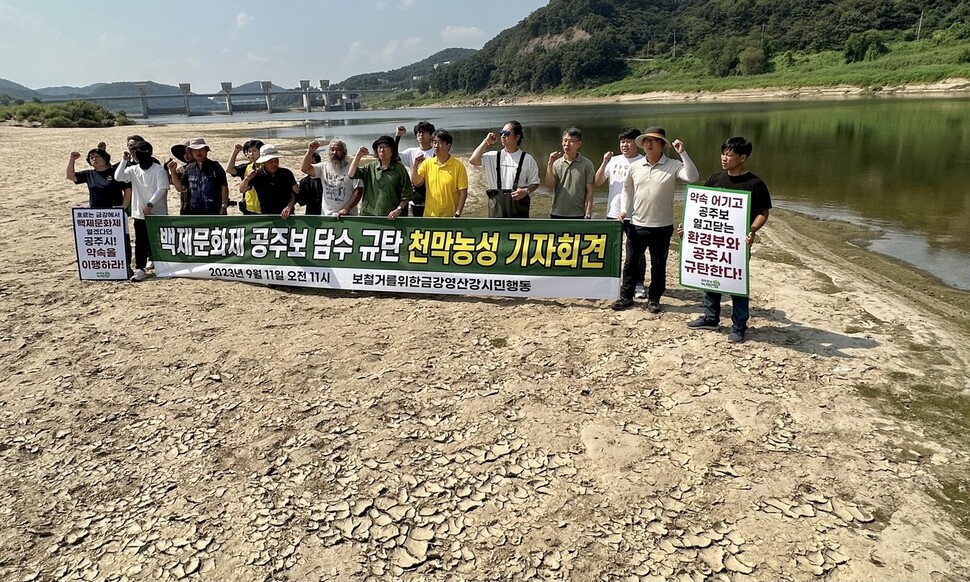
{"x":713,"y":253}
{"x":519,"y":258}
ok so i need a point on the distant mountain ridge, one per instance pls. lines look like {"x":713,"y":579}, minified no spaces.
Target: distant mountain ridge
{"x":16,"y":90}
{"x":404,"y":76}
{"x":395,"y":77}
{"x":68,"y":91}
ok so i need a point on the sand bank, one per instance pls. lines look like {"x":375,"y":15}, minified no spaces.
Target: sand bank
{"x":945,"y":88}
{"x":179,"y":428}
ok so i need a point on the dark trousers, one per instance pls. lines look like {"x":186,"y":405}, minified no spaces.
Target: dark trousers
{"x":740,"y":309}
{"x":128,"y":251}
{"x":502,"y":206}
{"x":142,"y":248}
{"x":639,"y":239}
{"x":641,"y":274}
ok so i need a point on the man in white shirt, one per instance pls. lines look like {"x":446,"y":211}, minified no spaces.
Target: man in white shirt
{"x":509,"y":190}
{"x":615,"y":169}
{"x":423,"y":132}
{"x":340,"y":194}
{"x":649,"y":191}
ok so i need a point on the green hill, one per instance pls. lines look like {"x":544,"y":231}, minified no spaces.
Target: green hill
{"x":409,"y":76}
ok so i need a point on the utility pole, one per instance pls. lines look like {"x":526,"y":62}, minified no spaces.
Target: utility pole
{"x":919,"y":27}
{"x":675,"y":43}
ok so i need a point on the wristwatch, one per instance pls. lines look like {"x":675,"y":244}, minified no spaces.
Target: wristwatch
{"x":150,"y":205}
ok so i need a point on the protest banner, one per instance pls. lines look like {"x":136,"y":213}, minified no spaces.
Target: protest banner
{"x":518,"y":258}
{"x":99,"y":238}
{"x":713,"y":254}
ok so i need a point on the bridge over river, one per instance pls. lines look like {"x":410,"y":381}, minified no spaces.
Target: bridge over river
{"x":307,"y":98}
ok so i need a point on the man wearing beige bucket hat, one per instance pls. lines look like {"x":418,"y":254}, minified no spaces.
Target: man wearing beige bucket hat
{"x":276,"y":187}
{"x":649,"y":188}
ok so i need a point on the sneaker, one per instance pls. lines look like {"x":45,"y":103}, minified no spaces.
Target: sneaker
{"x":641,"y":292}
{"x":150,"y":264}
{"x":622,"y":303}
{"x":736,"y":336}
{"x":654,"y":307}
{"x":703,"y":322}
{"x":140,"y":275}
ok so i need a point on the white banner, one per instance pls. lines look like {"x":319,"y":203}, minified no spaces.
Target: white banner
{"x":713,"y":254}
{"x":351,"y":279}
{"x":99,"y":237}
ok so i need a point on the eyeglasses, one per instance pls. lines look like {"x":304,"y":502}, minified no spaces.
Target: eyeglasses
{"x":505,"y":133}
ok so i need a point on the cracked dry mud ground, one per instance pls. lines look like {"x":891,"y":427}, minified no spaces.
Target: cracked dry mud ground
{"x":182,"y":429}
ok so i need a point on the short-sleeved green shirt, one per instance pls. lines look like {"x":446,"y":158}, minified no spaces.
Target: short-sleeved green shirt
{"x":383,"y":189}
{"x":569,"y":195}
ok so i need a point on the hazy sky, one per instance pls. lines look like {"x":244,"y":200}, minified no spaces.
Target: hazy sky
{"x":203,"y":42}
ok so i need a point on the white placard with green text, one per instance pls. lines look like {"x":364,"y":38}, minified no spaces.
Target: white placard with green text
{"x":713,"y":253}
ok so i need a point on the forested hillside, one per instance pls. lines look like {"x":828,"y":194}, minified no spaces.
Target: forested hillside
{"x":573,"y":44}
{"x":405,"y":76}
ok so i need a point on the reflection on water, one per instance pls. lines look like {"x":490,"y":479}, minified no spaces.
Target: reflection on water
{"x":900,"y":165}
{"x":950,"y":265}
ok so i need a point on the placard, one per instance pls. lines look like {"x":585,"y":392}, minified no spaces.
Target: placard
{"x":713,"y":253}
{"x":99,"y":237}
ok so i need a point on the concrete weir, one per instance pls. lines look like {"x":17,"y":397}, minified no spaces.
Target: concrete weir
{"x":227,"y":102}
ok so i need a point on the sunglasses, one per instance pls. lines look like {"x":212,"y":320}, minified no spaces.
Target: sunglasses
{"x":505,"y":133}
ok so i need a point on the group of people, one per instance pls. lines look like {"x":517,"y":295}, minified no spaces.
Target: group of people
{"x":427,"y":181}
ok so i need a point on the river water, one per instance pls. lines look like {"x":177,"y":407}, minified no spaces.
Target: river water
{"x":902,"y":166}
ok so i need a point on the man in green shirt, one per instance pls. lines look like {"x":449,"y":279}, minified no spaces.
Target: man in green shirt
{"x":387,"y":186}
{"x":570,"y":176}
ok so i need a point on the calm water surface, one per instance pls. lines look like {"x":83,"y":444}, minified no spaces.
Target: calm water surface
{"x":900,"y":165}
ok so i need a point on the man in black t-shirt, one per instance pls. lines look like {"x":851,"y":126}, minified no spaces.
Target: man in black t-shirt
{"x":311,"y":191}
{"x":275,"y":186}
{"x":734,"y":153}
{"x":103,"y":190}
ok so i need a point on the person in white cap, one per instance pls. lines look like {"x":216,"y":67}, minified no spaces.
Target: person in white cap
{"x":651,"y":183}
{"x":203,"y":182}
{"x":276,"y":187}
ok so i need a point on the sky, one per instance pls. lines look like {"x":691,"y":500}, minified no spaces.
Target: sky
{"x":204,"y":42}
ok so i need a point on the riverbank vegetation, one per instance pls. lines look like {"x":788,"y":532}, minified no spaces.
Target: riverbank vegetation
{"x":902,"y":63}
{"x":70,"y":114}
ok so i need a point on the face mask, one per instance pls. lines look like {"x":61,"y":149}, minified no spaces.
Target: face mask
{"x":144,"y":159}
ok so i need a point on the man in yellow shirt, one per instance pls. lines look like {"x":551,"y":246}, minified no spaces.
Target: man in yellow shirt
{"x":445,"y":176}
